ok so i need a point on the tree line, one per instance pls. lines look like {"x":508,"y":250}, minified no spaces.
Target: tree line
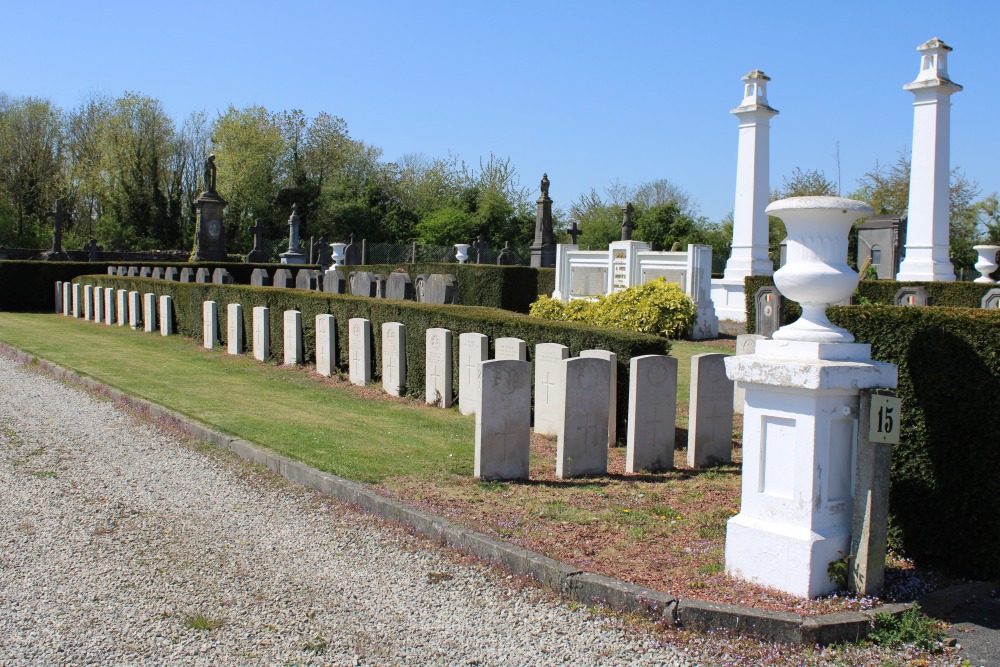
{"x":128,"y":175}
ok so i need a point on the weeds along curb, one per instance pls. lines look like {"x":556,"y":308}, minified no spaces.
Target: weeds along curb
{"x":585,"y":587}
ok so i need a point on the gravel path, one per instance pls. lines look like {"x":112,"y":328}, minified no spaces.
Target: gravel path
{"x":119,"y":542}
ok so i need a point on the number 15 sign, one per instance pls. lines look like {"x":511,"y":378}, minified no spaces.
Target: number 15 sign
{"x":883,"y":421}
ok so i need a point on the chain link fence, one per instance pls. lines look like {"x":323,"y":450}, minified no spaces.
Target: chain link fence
{"x":391,"y":253}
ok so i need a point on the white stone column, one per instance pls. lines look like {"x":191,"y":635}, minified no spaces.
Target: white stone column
{"x":750,"y":239}
{"x":925,"y":256}
{"x":801,"y":414}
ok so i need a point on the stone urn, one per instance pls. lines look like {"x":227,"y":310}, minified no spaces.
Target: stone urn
{"x":462,"y":252}
{"x":987,"y":262}
{"x":338,"y":253}
{"x":816,"y":273}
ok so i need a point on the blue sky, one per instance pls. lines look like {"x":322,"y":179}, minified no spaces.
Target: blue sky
{"x":589,"y":92}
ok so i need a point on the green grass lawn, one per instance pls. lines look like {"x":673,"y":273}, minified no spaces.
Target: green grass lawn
{"x":356,"y":433}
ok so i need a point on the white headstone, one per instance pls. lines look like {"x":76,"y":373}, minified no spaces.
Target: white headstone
{"x":510,"y":348}
{"x":473,"y":349}
{"x":652,"y":411}
{"x":503,"y":420}
{"x":134,"y":309}
{"x":209,"y":324}
{"x":710,"y":415}
{"x":98,"y":304}
{"x":612,"y":358}
{"x":548,"y":391}
{"x":88,"y":302}
{"x":326,"y":344}
{"x":394,"y":358}
{"x":745,"y":344}
{"x":59,"y":298}
{"x":166,"y":315}
{"x":67,"y":299}
{"x":359,"y":344}
{"x":261,"y":333}
{"x":292,"y":336}
{"x":149,"y":312}
{"x":437,"y":367}
{"x":77,"y":299}
{"x":109,"y":306}
{"x":582,"y":446}
{"x":234,"y":328}
{"x":122,"y":304}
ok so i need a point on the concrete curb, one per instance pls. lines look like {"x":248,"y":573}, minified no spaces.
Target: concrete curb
{"x":585,"y":587}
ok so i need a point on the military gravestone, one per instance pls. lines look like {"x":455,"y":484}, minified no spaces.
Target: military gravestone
{"x":399,"y":286}
{"x":768,"y":302}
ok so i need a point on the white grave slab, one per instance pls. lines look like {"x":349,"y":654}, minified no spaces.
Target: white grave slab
{"x":359,"y":344}
{"x":326,"y":344}
{"x":98,"y":304}
{"x":548,"y":392}
{"x":166,"y":315}
{"x":510,"y":348}
{"x":503,"y":420}
{"x":109,"y":306}
{"x":209,"y":324}
{"x":473,"y":349}
{"x":122,"y":302}
{"x":710,"y":416}
{"x":77,"y":299}
{"x":149,"y":312}
{"x":134,"y":309}
{"x":394,"y":358}
{"x":437,"y":367}
{"x":652,"y":413}
{"x":292,"y":336}
{"x":67,"y":299}
{"x":582,"y":446}
{"x":261,"y":333}
{"x":88,"y":302}
{"x":612,"y":358}
{"x":234,"y":328}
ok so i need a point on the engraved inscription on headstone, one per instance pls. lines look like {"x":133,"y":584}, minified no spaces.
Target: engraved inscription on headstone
{"x":261,"y":333}
{"x":438,"y":367}
{"x":393,"y":358}
{"x":359,"y":332}
{"x":234,"y":328}
{"x":510,"y":348}
{"x":548,"y":391}
{"x":292,"y":336}
{"x":652,"y":406}
{"x":326,"y":344}
{"x":588,"y":281}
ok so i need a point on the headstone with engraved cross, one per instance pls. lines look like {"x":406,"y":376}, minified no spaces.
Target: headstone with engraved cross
{"x":258,"y":255}
{"x":503,"y":420}
{"x":710,"y":421}
{"x":652,"y":407}
{"x":359,"y":363}
{"x":473,"y":350}
{"x":292,"y":337}
{"x":548,"y":392}
{"x":326,"y":344}
{"x":582,"y":443}
{"x":437,"y":367}
{"x":234,"y":328}
{"x":261,"y":333}
{"x":393,"y":358}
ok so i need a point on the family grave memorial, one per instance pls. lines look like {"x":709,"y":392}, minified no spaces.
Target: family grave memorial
{"x":158,"y":273}
{"x":503,"y":420}
{"x":359,"y":344}
{"x":911,"y":295}
{"x":187,"y":275}
{"x":171,"y":273}
{"x":145,"y":272}
{"x":394,"y":358}
{"x":234,"y":328}
{"x":438,"y":367}
{"x":210,"y":324}
{"x":363,"y":283}
{"x":132,"y":272}
{"x":441,"y":289}
{"x":261,"y":333}
{"x":768,"y":306}
{"x":652,"y":408}
{"x":292,"y":336}
{"x":307,"y":279}
{"x":258,"y":255}
{"x":294,"y":254}
{"x":326,"y":344}
{"x":582,"y":443}
{"x":548,"y":392}
{"x":473,"y":350}
{"x":210,"y":239}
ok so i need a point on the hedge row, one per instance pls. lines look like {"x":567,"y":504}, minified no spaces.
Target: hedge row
{"x":944,"y":498}
{"x":512,"y":288}
{"x":29,"y":284}
{"x":417,"y":317}
{"x":879,"y":292}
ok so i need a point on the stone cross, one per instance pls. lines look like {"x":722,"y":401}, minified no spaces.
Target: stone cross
{"x":258,"y":236}
{"x":627,"y":221}
{"x":574,"y":232}
{"x":481,"y":245}
{"x":506,"y":256}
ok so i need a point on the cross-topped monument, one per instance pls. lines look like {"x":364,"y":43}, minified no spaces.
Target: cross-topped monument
{"x":258,"y":255}
{"x":574,"y":232}
{"x":56,"y":254}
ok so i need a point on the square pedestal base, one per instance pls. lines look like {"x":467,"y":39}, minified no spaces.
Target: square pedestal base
{"x":783,"y":557}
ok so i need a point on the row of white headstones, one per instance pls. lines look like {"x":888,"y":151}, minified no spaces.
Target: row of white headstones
{"x":575,"y":398}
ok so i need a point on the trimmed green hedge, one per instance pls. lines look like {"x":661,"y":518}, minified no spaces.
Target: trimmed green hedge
{"x":953,"y":294}
{"x":512,"y":288}
{"x":418,"y":317}
{"x":945,"y":498}
{"x":30,"y":285}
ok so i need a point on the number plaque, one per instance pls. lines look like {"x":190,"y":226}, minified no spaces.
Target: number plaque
{"x":883,"y":422}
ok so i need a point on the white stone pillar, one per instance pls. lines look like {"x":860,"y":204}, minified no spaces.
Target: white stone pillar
{"x":801,"y":414}
{"x":925,"y":256}
{"x":750,"y":239}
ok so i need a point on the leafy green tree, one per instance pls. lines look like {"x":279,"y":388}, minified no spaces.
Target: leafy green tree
{"x":811,"y":183}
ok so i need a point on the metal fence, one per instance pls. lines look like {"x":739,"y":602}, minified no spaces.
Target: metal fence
{"x":391,"y":253}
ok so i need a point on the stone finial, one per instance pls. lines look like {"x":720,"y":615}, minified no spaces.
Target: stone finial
{"x":755,"y":89}
{"x":933,"y":65}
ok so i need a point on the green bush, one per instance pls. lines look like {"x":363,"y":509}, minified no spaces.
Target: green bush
{"x":944,"y":497}
{"x":417,"y":317}
{"x":656,"y":307}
